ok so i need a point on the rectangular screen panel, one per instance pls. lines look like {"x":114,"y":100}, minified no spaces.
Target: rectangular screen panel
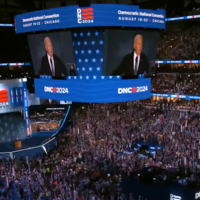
{"x":53,"y":54}
{"x":90,"y":91}
{"x":129,"y":52}
{"x":97,"y":15}
{"x":46,"y":118}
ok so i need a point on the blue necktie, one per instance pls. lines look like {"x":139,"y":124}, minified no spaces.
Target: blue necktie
{"x":136,"y":66}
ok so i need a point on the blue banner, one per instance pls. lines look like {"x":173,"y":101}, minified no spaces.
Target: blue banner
{"x":26,"y":114}
{"x":176,"y":61}
{"x":15,"y":64}
{"x":12,"y":97}
{"x":6,"y":25}
{"x":188,"y":97}
{"x":93,"y":91}
{"x":183,"y":18}
{"x":95,"y":15}
{"x":16,"y":96}
{"x":21,"y":96}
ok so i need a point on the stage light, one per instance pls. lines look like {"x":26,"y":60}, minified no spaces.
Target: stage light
{"x":138,"y":174}
{"x":44,"y":149}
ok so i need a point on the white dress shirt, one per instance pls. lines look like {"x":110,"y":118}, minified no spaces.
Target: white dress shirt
{"x":52,"y":69}
{"x":134,"y":58}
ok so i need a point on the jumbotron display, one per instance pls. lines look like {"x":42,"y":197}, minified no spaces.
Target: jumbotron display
{"x":96,"y":15}
{"x":94,"y":91}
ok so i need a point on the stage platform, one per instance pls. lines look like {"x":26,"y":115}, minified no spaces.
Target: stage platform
{"x":35,"y":140}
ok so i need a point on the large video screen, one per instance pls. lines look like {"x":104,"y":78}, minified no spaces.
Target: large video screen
{"x":52,"y":54}
{"x":94,"y":52}
{"x":11,"y":96}
{"x":129,"y":52}
{"x":45,"y":118}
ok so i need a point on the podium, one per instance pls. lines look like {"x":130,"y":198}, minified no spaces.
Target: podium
{"x":18,"y":144}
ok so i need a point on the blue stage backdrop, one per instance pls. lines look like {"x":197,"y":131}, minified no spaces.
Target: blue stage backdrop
{"x":89,"y":51}
{"x":94,"y":91}
{"x":96,"y":15}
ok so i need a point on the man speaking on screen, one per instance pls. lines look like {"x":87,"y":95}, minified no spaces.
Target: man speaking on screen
{"x":51,"y":64}
{"x":134,"y":63}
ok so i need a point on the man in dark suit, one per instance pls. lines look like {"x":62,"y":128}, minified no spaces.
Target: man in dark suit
{"x":51,"y":64}
{"x":134,"y":63}
{"x":72,"y":71}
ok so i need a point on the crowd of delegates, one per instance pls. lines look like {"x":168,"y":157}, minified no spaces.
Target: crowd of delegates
{"x":180,"y":42}
{"x":51,"y":126}
{"x":90,"y":163}
{"x":176,"y":84}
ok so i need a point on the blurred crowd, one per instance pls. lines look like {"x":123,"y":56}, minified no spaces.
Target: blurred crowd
{"x":46,"y":121}
{"x":176,"y":84}
{"x":37,"y":127}
{"x":180,"y":42}
{"x":178,"y":68}
{"x":91,"y":159}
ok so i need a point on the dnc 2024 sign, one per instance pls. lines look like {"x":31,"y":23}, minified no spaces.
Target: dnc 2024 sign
{"x":97,"y":91}
{"x":95,"y":15}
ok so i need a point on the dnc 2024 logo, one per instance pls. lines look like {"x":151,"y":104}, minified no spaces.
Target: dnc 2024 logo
{"x":85,"y":15}
{"x":56,"y":90}
{"x":3,"y":98}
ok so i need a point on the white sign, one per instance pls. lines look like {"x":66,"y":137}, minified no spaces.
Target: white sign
{"x":175,"y":197}
{"x":197,"y":195}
